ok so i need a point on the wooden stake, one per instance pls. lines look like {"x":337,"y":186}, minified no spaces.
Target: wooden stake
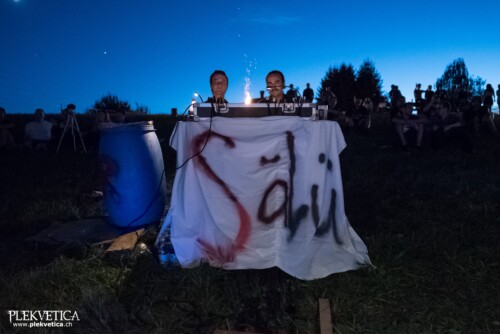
{"x":325,"y":317}
{"x":221,"y":331}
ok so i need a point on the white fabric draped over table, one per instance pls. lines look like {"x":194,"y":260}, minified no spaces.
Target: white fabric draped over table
{"x":263,"y":192}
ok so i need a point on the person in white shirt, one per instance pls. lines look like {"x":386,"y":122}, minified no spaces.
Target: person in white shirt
{"x":38,"y":133}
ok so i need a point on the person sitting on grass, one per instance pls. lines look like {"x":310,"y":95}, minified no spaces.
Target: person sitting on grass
{"x":6,"y":138}
{"x":368,"y":104}
{"x":405,"y":122}
{"x":447,"y":128}
{"x":329,"y":99}
{"x":476,"y":115}
{"x":359,"y":115}
{"x":397,"y":106}
{"x":38,"y":133}
{"x":431,"y":108}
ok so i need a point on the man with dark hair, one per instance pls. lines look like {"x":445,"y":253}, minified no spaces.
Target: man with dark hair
{"x":275,"y":83}
{"x":218,"y":85}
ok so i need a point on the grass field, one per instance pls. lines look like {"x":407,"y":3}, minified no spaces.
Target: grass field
{"x":430,"y":220}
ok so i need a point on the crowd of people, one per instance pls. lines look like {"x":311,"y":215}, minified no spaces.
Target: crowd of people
{"x":442,"y":116}
{"x":357,"y":116}
{"x":40,"y":134}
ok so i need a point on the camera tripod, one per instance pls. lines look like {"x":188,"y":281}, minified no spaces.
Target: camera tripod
{"x":72,"y":125}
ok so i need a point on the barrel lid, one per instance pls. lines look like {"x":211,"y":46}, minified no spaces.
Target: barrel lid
{"x":127,"y":127}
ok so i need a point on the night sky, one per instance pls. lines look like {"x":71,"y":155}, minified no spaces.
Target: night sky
{"x":158,"y":53}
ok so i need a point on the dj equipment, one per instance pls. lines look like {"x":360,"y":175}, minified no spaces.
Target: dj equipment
{"x":255,"y":109}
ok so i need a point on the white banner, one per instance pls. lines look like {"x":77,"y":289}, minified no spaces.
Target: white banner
{"x":263,"y":192}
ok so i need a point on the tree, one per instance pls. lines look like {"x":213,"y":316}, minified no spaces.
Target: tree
{"x":111,"y":103}
{"x":341,"y":81}
{"x":476,"y":85}
{"x":456,"y":77}
{"x":141,"y":109}
{"x":368,"y":82}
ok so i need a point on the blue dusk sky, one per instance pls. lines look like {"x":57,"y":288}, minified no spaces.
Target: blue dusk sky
{"x":157,"y":53}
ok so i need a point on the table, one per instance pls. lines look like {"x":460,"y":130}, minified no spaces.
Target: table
{"x":262,"y":192}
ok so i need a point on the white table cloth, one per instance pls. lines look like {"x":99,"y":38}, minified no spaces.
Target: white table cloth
{"x":262,"y":192}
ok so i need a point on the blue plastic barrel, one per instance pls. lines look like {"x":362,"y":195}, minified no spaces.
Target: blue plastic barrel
{"x":133,"y":174}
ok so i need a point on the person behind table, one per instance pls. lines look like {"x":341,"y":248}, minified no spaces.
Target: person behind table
{"x":38,"y":133}
{"x":6,"y":138}
{"x":218,"y":85}
{"x":275,"y":83}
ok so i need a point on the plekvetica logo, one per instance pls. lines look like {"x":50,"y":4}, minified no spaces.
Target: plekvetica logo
{"x":42,"y":318}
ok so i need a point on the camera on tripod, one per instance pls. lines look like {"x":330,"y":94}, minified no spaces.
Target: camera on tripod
{"x":69,"y":110}
{"x":71,"y":126}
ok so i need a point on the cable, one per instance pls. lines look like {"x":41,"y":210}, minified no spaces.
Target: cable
{"x":176,"y":124}
{"x":202,"y":149}
{"x":174,"y":132}
{"x":149,"y":205}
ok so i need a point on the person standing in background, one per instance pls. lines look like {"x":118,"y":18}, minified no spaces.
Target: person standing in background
{"x":6,"y":138}
{"x":498,"y":98}
{"x":291,"y":94}
{"x":429,"y":93}
{"x":308,"y":94}
{"x":488,"y":97}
